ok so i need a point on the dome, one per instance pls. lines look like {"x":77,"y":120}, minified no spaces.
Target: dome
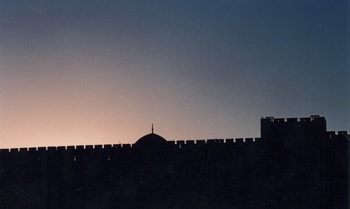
{"x":150,"y":140}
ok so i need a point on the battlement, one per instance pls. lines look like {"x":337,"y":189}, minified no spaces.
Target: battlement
{"x":271,"y":127}
{"x":294,"y":153}
{"x":293,"y":120}
{"x":338,"y":134}
{"x":69,"y":148}
{"x":176,"y":143}
{"x":182,"y":143}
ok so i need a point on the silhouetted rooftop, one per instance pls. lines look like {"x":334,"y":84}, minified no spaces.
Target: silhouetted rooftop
{"x":151,"y":139}
{"x":296,"y":163}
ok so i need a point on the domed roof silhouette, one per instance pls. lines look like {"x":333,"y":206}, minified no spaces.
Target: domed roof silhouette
{"x":150,"y":139}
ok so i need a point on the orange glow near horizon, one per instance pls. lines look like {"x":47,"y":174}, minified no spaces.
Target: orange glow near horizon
{"x":55,"y":111}
{"x":57,"y":115}
{"x":101,"y":72}
{"x":39,"y":113}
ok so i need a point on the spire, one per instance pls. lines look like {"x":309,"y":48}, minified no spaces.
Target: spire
{"x":152,"y":128}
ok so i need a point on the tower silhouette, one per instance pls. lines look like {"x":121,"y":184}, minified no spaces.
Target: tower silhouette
{"x":296,"y":163}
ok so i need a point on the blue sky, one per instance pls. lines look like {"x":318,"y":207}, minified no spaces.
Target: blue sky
{"x":92,"y":72}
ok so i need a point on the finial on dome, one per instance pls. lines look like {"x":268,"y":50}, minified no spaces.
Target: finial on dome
{"x":152,"y":128}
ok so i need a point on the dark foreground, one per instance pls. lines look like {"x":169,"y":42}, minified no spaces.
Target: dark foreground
{"x":295,"y":164}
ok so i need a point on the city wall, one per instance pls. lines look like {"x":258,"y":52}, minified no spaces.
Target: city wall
{"x":298,"y":154}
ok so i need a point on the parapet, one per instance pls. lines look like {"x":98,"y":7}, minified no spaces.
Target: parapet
{"x":68,"y":148}
{"x":274,"y":127}
{"x":286,"y":120}
{"x":338,"y":135}
{"x":112,"y":147}
{"x":271,"y":127}
{"x":199,"y":142}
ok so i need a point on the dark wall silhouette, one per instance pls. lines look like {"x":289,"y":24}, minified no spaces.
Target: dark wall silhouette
{"x":296,"y":163}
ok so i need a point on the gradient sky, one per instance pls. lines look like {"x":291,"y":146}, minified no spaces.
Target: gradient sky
{"x":101,"y":72}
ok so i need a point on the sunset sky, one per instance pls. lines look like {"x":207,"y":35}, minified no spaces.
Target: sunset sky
{"x":101,"y":72}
